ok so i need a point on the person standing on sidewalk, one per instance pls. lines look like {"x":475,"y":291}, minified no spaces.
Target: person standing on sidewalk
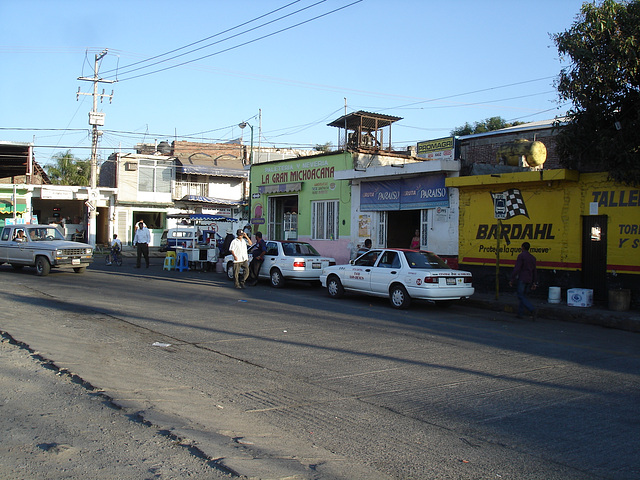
{"x":238,"y":249}
{"x":527,"y":276}
{"x":141,"y":241}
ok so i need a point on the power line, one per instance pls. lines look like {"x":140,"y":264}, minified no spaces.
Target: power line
{"x":205,"y":39}
{"x":242,"y":44}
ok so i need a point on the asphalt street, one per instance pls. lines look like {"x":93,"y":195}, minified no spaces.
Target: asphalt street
{"x":289,"y":383}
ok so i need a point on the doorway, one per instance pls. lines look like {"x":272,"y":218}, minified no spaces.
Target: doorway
{"x":594,"y":254}
{"x":401,"y":226}
{"x":283,"y":218}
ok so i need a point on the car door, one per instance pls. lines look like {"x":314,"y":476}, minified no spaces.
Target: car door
{"x":358,"y":275}
{"x":270,"y":258}
{"x":5,"y":241}
{"x":385,"y":271}
{"x":18,"y":251}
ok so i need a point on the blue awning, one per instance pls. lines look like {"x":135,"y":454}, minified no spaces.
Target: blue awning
{"x":216,"y":218}
{"x":211,"y":200}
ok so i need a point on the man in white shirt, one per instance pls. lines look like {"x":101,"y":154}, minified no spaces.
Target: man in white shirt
{"x":141,"y":241}
{"x":238,"y":249}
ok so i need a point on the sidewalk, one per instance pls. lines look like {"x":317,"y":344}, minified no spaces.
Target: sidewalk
{"x":507,"y":302}
{"x":596,"y":315}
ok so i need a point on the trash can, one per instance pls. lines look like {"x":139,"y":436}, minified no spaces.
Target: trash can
{"x":619,"y":299}
{"x":554,"y":295}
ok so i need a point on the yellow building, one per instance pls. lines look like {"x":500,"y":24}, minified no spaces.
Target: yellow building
{"x":583,"y":229}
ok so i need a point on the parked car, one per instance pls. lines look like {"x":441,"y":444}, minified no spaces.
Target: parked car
{"x":287,"y":260}
{"x":399,"y":274}
{"x":42,"y":247}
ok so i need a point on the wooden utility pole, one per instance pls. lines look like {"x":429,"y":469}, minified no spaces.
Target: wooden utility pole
{"x":95,"y":119}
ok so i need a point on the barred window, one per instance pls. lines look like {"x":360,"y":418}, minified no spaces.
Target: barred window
{"x":324,"y":220}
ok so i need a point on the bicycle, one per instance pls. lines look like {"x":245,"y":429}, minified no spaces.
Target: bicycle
{"x":114,"y":258}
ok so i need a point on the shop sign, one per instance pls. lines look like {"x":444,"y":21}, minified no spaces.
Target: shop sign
{"x":440,"y":149}
{"x":412,"y":193}
{"x":55,"y":194}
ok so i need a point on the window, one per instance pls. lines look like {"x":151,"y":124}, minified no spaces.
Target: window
{"x":324,"y":220}
{"x":389,"y":260}
{"x":368,"y":259}
{"x":155,"y":176}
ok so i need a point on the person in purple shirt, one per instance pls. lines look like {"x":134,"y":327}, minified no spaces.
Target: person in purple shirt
{"x":526,"y":275}
{"x":258,"y":252}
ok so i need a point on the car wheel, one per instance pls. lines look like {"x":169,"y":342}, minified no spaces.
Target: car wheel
{"x":277,"y":280}
{"x":399,"y":297}
{"x":43,"y":267}
{"x":79,"y":269}
{"x":334,"y":287}
{"x":230,"y":271}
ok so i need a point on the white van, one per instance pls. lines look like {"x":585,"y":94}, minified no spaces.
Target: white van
{"x":185,"y":236}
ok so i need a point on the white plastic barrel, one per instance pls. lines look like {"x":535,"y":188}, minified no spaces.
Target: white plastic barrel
{"x":554,"y":295}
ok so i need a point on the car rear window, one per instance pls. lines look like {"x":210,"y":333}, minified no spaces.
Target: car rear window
{"x":425,"y":260}
{"x":300,"y":249}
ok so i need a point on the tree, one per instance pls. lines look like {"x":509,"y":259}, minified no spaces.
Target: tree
{"x":324,"y":148}
{"x":487,"y":125}
{"x":602,"y":82}
{"x":69,"y":170}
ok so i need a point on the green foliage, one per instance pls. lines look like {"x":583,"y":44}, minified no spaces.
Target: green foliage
{"x":602,"y":82}
{"x":68,"y":170}
{"x":327,"y":147}
{"x":487,"y":125}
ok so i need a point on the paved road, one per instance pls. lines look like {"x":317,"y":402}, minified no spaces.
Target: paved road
{"x":290,"y":383}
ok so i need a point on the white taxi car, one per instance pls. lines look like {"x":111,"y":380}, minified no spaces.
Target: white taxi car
{"x":287,"y":260}
{"x":399,"y":274}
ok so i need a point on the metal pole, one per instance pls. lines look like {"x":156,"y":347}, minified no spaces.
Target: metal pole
{"x":498,"y":232}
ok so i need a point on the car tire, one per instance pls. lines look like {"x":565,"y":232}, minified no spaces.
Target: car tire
{"x":276,"y":278}
{"x":79,"y":269}
{"x":399,"y":297}
{"x":43,"y":267}
{"x":229,"y":271}
{"x":334,"y":287}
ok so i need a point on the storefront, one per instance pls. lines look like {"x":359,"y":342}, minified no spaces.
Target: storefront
{"x":300,"y":199}
{"x":396,"y":195}
{"x":583,"y":229}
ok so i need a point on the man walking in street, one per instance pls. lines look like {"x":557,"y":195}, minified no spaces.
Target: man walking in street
{"x":238,"y":249}
{"x":141,"y":241}
{"x":259,"y":251}
{"x":526,"y":274}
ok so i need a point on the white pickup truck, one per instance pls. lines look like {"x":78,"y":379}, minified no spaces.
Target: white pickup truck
{"x":42,"y":247}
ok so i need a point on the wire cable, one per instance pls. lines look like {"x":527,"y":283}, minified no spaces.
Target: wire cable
{"x":244,"y":43}
{"x":205,"y":39}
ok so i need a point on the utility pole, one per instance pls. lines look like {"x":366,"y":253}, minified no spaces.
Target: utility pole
{"x":95,"y":119}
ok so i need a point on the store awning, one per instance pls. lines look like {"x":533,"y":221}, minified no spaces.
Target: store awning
{"x":210,"y":200}
{"x":212,"y":218}
{"x":6,"y":206}
{"x":281,"y":188}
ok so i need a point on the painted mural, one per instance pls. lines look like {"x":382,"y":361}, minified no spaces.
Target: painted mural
{"x":548,"y":215}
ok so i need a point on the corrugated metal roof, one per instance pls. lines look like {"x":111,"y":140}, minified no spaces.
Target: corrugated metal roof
{"x":366,"y":120}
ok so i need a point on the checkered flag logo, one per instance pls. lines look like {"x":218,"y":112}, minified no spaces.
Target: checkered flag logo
{"x":515,"y":203}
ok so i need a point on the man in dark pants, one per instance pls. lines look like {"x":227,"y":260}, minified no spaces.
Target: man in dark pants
{"x":141,"y":241}
{"x":258,"y":252}
{"x":526,"y":274}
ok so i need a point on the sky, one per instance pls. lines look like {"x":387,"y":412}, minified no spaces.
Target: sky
{"x":194,"y":70}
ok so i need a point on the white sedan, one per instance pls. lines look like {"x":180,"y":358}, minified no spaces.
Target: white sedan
{"x":287,"y":260}
{"x":400,"y":275}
